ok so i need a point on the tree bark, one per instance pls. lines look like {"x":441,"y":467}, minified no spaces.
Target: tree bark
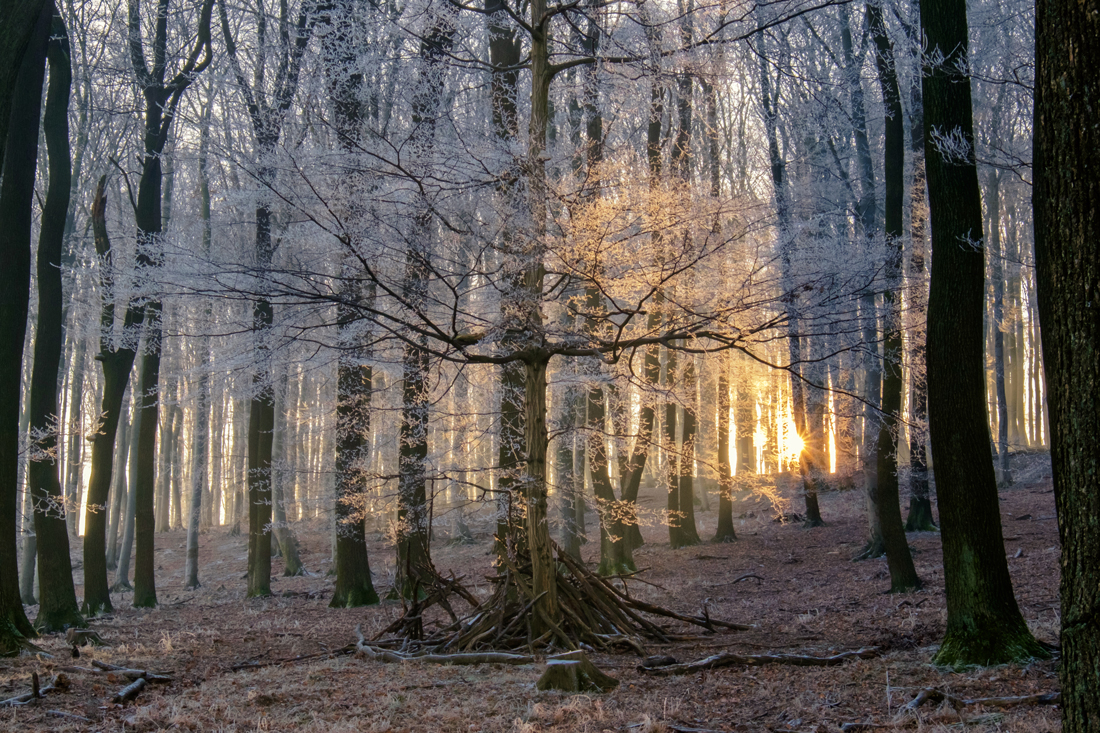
{"x":1067,"y":258}
{"x":17,"y":33}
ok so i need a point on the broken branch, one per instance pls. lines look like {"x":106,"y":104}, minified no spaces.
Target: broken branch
{"x":60,"y":682}
{"x":129,"y":692}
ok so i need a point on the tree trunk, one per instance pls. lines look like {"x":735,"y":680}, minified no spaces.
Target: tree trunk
{"x":984,"y":625}
{"x":22,"y":108}
{"x":143,"y":480}
{"x":354,"y":585}
{"x":122,"y":572}
{"x":920,"y":505}
{"x":726,"y":532}
{"x":17,"y":33}
{"x":198,"y":453}
{"x":1067,"y":233}
{"x":118,"y":489}
{"x":903,"y":575}
{"x":74,"y":456}
{"x":689,"y":535}
{"x":58,"y":607}
{"x":284,"y":535}
{"x":28,"y":544}
{"x":996,"y":256}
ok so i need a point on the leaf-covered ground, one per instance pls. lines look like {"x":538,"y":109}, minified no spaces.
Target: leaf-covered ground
{"x":808,"y":598}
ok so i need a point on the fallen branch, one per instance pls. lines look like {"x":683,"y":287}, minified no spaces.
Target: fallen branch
{"x":62,"y":714}
{"x":60,"y":682}
{"x":349,"y":649}
{"x":132,"y":674}
{"x":730,"y":659}
{"x":129,"y":692}
{"x":386,"y":655}
{"x":932,"y":695}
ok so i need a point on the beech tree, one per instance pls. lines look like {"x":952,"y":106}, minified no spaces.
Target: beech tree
{"x":984,"y":624}
{"x":1067,"y":254}
{"x":58,"y":607}
{"x":267,"y":109}
{"x":117,"y":356}
{"x":23,"y":108}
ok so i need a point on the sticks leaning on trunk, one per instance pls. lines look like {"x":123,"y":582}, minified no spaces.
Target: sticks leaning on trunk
{"x":594,"y":611}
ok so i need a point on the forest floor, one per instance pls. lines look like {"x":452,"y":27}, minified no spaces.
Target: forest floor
{"x":808,"y":598}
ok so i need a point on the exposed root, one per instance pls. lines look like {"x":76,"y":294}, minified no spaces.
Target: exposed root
{"x":729,"y":659}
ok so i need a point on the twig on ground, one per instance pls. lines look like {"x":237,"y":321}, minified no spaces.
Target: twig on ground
{"x":62,"y":714}
{"x":729,"y":659}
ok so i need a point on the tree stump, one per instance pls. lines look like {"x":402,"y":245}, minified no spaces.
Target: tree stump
{"x":574,"y":672}
{"x":84,"y":637}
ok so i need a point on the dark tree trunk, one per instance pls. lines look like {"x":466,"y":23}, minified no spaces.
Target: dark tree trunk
{"x":903,"y":575}
{"x":261,"y":427}
{"x":17,"y":32}
{"x":1067,"y":256}
{"x":689,"y":535}
{"x":16,"y":194}
{"x":58,"y":607}
{"x":161,"y":101}
{"x":984,"y":625}
{"x":144,"y":480}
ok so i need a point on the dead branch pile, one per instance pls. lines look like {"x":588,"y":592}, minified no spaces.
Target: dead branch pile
{"x":595,"y":611}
